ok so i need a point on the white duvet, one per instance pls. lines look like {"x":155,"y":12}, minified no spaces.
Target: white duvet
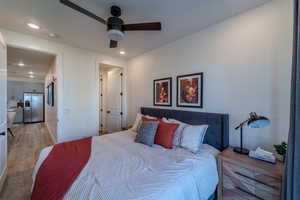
{"x":120,"y":169}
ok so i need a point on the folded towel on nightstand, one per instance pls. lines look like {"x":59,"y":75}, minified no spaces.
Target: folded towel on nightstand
{"x":263,"y":155}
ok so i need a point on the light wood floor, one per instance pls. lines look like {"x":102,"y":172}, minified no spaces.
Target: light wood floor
{"x":24,"y":150}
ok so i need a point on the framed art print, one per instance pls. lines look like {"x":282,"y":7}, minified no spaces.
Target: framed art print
{"x":190,"y":90}
{"x":50,"y":95}
{"x":162,"y":92}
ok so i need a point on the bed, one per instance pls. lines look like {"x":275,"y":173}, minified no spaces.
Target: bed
{"x":120,"y":169}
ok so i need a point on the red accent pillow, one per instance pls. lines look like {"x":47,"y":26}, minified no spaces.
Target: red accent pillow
{"x":149,"y":120}
{"x":165,"y":134}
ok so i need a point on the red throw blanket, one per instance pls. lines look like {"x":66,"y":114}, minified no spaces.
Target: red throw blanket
{"x":60,"y":169}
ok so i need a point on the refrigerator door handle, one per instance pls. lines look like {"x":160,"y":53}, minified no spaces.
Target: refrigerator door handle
{"x":27,"y":104}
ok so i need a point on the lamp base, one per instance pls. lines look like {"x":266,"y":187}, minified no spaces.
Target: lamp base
{"x":241,"y":151}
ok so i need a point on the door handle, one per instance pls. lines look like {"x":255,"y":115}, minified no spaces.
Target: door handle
{"x":2,"y":133}
{"x":108,"y":112}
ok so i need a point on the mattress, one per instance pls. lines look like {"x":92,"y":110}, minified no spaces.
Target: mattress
{"x":120,"y":169}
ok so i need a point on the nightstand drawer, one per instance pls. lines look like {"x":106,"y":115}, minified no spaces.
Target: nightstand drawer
{"x":244,"y":178}
{"x":236,"y":194}
{"x":244,"y":188}
{"x":230,"y":169}
{"x":260,"y":183}
{"x":268,"y":181}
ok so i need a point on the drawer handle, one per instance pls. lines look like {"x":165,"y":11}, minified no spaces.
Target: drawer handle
{"x":253,"y":179}
{"x":2,"y":133}
{"x":249,"y":193}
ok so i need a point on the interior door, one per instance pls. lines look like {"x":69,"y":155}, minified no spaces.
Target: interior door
{"x":3,"y":113}
{"x":114,"y":100}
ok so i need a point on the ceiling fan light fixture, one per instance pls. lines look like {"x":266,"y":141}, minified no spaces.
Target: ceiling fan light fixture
{"x":52,"y":35}
{"x":21,"y":64}
{"x":115,"y":25}
{"x":115,"y":35}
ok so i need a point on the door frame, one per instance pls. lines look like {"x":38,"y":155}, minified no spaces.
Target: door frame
{"x":43,"y":107}
{"x":124,"y":91}
{"x":60,"y":78}
{"x":3,"y":174}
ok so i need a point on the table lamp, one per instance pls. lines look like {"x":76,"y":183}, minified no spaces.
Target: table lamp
{"x":254,"y":121}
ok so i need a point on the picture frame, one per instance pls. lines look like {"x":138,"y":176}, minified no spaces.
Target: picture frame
{"x":190,"y":90}
{"x":50,"y":94}
{"x":162,"y":92}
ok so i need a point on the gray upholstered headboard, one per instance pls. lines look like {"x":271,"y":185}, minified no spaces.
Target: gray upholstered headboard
{"x":218,"y":132}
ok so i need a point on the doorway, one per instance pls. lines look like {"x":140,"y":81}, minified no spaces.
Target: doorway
{"x":29,"y":73}
{"x":111,"y":99}
{"x":26,"y":80}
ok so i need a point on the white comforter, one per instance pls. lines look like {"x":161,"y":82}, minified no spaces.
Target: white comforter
{"x":120,"y":169}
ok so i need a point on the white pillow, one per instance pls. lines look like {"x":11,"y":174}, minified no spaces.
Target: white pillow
{"x":165,"y":120}
{"x":178,"y":132}
{"x":192,"y":137}
{"x":150,"y":117}
{"x":137,"y":122}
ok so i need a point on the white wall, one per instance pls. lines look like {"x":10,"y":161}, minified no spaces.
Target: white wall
{"x":78,"y":83}
{"x":246,"y":62}
{"x":51,"y":111}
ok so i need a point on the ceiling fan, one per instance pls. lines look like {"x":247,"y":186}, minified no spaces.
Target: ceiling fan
{"x":115,"y":25}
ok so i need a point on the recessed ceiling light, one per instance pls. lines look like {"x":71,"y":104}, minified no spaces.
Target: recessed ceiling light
{"x":122,"y":52}
{"x":33,"y":26}
{"x":31,"y":76}
{"x":53,"y":35}
{"x":21,"y":64}
{"x":31,"y":72}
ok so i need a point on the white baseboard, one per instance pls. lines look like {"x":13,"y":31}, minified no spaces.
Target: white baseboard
{"x":3,"y":178}
{"x":51,"y":135}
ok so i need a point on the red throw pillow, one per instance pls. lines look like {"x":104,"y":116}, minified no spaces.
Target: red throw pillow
{"x":165,"y":134}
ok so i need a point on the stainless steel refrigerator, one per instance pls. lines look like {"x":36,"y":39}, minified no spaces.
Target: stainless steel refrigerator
{"x":33,"y":107}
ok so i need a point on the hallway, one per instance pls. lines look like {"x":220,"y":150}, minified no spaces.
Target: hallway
{"x":23,"y":151}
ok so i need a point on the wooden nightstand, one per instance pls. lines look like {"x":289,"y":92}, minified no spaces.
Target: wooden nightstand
{"x":242,"y":178}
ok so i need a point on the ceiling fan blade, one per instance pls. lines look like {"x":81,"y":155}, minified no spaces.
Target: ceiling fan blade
{"x":113,"y":44}
{"x":154,"y":26}
{"x":82,"y":10}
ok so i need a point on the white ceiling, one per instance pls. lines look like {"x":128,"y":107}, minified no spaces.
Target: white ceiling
{"x":37,"y":62}
{"x":179,"y":18}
